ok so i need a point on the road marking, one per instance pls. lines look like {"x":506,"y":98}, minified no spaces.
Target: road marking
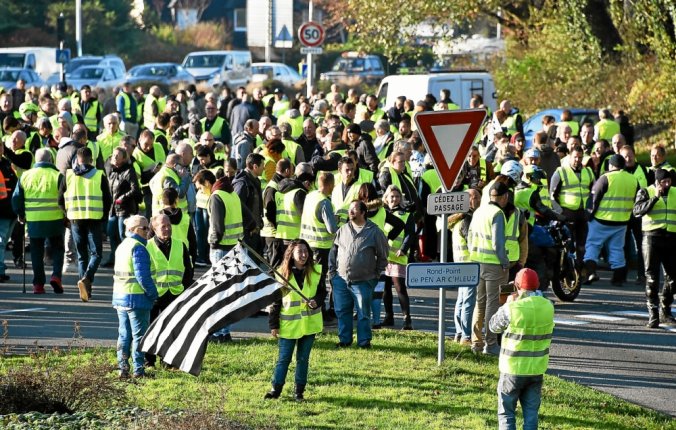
{"x":11,"y":311}
{"x":564,"y":321}
{"x":599,"y":317}
{"x":671,"y":329}
{"x":631,"y":313}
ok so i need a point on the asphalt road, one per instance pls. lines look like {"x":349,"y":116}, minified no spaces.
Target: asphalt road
{"x":600,"y":340}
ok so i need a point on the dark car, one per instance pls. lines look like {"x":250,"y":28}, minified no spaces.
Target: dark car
{"x":534,"y":123}
{"x":165,"y":75}
{"x":355,"y":66}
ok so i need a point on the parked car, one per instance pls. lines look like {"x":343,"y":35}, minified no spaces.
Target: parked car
{"x":277,"y":71}
{"x":353,"y":65}
{"x":74,"y":64}
{"x":9,"y":76}
{"x":534,"y":123}
{"x":96,"y":76}
{"x":166,"y":75}
{"x":216,"y":68}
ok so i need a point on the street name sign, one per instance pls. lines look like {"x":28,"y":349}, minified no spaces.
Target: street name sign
{"x":448,"y":203}
{"x":311,"y":50}
{"x":442,"y":275}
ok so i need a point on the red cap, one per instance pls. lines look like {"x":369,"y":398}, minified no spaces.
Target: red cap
{"x":527,"y":279}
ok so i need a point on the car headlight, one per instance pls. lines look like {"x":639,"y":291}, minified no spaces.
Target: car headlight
{"x":215,"y":77}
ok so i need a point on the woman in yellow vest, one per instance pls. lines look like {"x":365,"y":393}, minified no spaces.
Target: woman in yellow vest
{"x":294,"y":320}
{"x":395,"y":272}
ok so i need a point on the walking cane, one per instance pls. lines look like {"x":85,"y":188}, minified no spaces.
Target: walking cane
{"x":23,"y":251}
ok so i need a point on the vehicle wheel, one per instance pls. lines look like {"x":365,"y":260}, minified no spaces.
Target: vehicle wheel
{"x":566,"y":282}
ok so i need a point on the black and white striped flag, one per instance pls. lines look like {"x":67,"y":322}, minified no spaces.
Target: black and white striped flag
{"x":233,"y":290}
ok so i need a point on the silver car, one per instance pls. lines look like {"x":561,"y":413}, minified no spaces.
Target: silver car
{"x":95,"y":76}
{"x":10,"y":75}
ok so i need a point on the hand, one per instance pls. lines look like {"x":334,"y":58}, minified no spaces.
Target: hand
{"x":22,"y":220}
{"x":312,"y":304}
{"x":275,"y":333}
{"x":512,"y":297}
{"x":400,"y":253}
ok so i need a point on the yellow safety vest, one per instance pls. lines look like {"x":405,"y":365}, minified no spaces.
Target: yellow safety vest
{"x":127,"y":106}
{"x":432,"y":179}
{"x":640,"y":176}
{"x":460,"y":250}
{"x":574,"y":192}
{"x":480,"y":237}
{"x":288,"y":218}
{"x":216,"y":128}
{"x":398,"y":242}
{"x":83,"y":196}
{"x":522,"y":200}
{"x":148,"y":117}
{"x":296,"y":319}
{"x":168,"y":271}
{"x":618,"y":201}
{"x":606,"y":129}
{"x":147,"y":164}
{"x":525,"y":343}
{"x":202,"y":199}
{"x":180,"y":230}
{"x":312,"y":227}
{"x":18,"y":170}
{"x":510,"y":124}
{"x":108,"y":142}
{"x":574,"y":127}
{"x":41,"y":194}
{"x":157,"y":186}
{"x":90,"y":117}
{"x":269,"y":229}
{"x":232,"y":228}
{"x":340,"y":204}
{"x":512,"y":231}
{"x":124,"y":277}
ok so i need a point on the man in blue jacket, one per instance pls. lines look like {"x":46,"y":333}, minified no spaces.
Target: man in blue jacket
{"x":134,"y":293}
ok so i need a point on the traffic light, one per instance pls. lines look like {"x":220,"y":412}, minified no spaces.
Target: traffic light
{"x":61,"y":28}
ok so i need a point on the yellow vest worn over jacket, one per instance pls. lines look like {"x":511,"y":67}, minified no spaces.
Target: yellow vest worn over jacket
{"x":525,"y":343}
{"x":460,"y":251}
{"x":296,"y":319}
{"x":574,"y":191}
{"x":663,"y":213}
{"x":312,"y":227}
{"x":618,"y":201}
{"x":124,"y":277}
{"x":480,"y":237}
{"x":148,"y":117}
{"x":232,"y":226}
{"x":41,"y":194}
{"x":288,"y":216}
{"x":83,"y":196}
{"x":157,"y":187}
{"x":398,"y":242}
{"x":340,"y":204}
{"x":168,"y":271}
{"x":216,"y":128}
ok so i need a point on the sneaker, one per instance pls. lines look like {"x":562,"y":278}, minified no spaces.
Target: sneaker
{"x":493,"y":350}
{"x":223,"y":338}
{"x":457,"y":338}
{"x":38,"y":289}
{"x":84,"y":285}
{"x":124,"y":374}
{"x":19,"y":263}
{"x":366,"y":345}
{"x":56,"y":285}
{"x":466,"y":342}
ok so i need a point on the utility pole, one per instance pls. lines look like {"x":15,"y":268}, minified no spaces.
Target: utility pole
{"x":310,"y":69}
{"x":78,"y":26}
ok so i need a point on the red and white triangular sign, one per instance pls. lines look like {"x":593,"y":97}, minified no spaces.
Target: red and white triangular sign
{"x":448,"y":137}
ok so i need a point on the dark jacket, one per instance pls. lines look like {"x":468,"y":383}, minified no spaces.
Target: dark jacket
{"x":366,"y":153}
{"x":11,"y":180}
{"x":309,"y":145}
{"x":66,"y":155}
{"x":124,"y":189}
{"x":248,"y":188}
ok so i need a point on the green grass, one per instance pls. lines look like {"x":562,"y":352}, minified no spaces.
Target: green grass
{"x":395,"y":385}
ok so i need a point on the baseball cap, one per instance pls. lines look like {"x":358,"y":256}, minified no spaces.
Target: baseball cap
{"x":532,"y":153}
{"x":527,"y":279}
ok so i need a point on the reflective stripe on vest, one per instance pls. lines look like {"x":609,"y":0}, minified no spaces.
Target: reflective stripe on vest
{"x":288,"y":218}
{"x":232,"y":228}
{"x":574,"y":192}
{"x":398,"y":242}
{"x":340,"y":204}
{"x":480,"y":237}
{"x":296,"y":319}
{"x":312,"y":227}
{"x":83,"y":196}
{"x":618,"y":201}
{"x":124,"y":277}
{"x":460,"y":251}
{"x":525,"y":343}
{"x":41,"y":194}
{"x":90,"y":120}
{"x":663,"y":213}
{"x":168,"y":271}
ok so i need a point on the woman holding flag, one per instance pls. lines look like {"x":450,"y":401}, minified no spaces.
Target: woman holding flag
{"x":296,"y":318}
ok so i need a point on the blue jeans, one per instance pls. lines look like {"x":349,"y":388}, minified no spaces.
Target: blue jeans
{"x":524,"y":389}
{"x":601,"y":235}
{"x":347,"y":297}
{"x":38,"y":257}
{"x":88,"y":238}
{"x":6,"y":228}
{"x":464,"y":309}
{"x":215,"y":255}
{"x":303,"y":347}
{"x":133,"y":324}
{"x":201,"y":219}
{"x":115,"y":231}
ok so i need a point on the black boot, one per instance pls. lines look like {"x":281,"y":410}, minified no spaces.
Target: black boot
{"x":619,"y":276}
{"x":298,"y":395}
{"x":653,"y":318}
{"x":388,"y":321}
{"x":666,"y":316}
{"x":275,"y":392}
{"x":590,"y":272}
{"x":407,"y":323}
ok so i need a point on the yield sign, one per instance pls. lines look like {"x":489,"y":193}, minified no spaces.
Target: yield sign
{"x":448,"y":137}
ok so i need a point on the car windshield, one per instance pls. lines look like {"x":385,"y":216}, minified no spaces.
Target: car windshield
{"x":9,"y":75}
{"x":80,"y":62}
{"x":204,"y":61}
{"x":150,"y":71}
{"x":88,"y":73}
{"x":262,"y":70}
{"x":12,"y":60}
{"x":349,"y":65}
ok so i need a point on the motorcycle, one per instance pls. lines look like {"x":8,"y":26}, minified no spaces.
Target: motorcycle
{"x":566,"y":278}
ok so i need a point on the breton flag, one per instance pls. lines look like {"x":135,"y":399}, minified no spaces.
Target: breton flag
{"x":233,"y":290}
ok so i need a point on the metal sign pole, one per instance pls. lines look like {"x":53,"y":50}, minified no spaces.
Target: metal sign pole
{"x":310,"y":70}
{"x":441,"y":349}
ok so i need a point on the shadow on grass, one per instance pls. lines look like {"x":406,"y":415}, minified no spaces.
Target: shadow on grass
{"x":408,"y":406}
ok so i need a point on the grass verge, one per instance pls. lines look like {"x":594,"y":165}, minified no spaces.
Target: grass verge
{"x":395,"y":385}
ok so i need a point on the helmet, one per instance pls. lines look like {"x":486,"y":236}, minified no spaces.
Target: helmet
{"x":512,"y":169}
{"x":27,"y":108}
{"x":534,"y":173}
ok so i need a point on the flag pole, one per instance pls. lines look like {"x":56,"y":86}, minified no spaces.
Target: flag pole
{"x":273,"y":270}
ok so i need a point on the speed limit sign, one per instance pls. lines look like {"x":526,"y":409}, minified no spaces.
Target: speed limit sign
{"x":311,"y":34}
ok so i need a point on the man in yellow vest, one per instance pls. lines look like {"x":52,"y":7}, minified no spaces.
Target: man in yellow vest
{"x":656,"y":207}
{"x":634,"y":229}
{"x":134,"y":293}
{"x":607,"y":127}
{"x":151,"y":107}
{"x":612,"y":202}
{"x":272,"y":251}
{"x":569,"y":188}
{"x":126,"y":105}
{"x":487,"y":244}
{"x":171,"y":175}
{"x":173,"y":269}
{"x":346,"y":191}
{"x":217,"y":126}
{"x":90,"y":109}
{"x":527,"y":323}
{"x":289,"y":202}
{"x":514,"y":122}
{"x":87,"y":199}
{"x":182,"y":228}
{"x":111,"y":136}
{"x":35,"y":201}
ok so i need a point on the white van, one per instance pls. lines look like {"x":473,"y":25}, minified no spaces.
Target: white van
{"x":463,"y":85}
{"x":41,"y":60}
{"x":217,"y":68}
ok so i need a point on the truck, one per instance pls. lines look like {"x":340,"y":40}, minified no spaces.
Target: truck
{"x":463,"y":84}
{"x":40,"y":59}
